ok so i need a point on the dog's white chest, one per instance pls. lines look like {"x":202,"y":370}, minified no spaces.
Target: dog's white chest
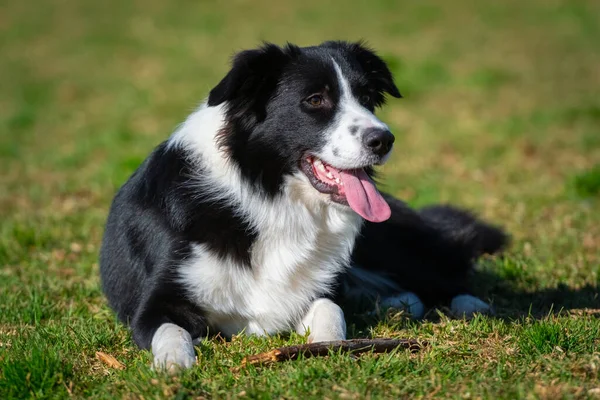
{"x":295,"y":259}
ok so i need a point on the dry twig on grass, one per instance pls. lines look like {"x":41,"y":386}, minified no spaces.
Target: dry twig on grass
{"x":319,"y":349}
{"x":109,"y":360}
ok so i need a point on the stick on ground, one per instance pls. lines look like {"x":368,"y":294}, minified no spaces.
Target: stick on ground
{"x":319,"y":349}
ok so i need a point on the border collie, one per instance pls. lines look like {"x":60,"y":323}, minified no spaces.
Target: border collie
{"x":260,"y":213}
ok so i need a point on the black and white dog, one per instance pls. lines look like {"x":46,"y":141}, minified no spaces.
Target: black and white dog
{"x":247,"y":217}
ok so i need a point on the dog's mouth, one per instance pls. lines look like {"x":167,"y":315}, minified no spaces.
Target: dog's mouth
{"x":351,"y":187}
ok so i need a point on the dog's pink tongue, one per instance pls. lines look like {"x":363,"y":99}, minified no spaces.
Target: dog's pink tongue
{"x":363,"y":197}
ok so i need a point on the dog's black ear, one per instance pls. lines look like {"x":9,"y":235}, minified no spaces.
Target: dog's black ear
{"x":376,"y":69}
{"x":253,"y":76}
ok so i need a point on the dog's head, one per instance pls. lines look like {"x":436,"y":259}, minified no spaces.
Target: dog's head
{"x":309,"y":113}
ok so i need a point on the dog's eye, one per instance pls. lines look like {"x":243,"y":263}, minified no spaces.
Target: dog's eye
{"x":365,"y":99}
{"x":315,"y":100}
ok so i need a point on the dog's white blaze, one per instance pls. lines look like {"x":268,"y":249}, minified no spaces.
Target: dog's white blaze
{"x":303,"y":242}
{"x":345,"y":149}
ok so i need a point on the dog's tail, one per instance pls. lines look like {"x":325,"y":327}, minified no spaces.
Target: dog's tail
{"x":464,"y":229}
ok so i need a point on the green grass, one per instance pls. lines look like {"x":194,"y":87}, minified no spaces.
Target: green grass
{"x":501,"y":114}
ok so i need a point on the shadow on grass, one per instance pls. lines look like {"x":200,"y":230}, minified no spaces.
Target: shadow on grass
{"x":510,"y":303}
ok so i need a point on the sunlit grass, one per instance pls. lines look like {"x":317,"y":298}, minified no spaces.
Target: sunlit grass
{"x":500,"y":115}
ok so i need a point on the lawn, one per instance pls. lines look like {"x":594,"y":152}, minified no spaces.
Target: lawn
{"x":501,"y":114}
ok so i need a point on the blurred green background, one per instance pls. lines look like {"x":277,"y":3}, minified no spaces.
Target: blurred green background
{"x":501,"y":114}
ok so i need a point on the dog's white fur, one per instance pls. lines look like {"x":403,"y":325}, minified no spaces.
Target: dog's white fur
{"x":303,"y":242}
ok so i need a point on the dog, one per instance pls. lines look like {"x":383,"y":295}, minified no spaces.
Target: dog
{"x":260,"y":213}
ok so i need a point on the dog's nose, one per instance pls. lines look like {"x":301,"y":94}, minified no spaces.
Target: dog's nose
{"x":378,"y":140}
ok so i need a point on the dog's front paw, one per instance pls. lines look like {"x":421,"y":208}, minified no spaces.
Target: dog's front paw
{"x":174,"y":360}
{"x":325,"y":322}
{"x":466,"y":305}
{"x":173,"y":349}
